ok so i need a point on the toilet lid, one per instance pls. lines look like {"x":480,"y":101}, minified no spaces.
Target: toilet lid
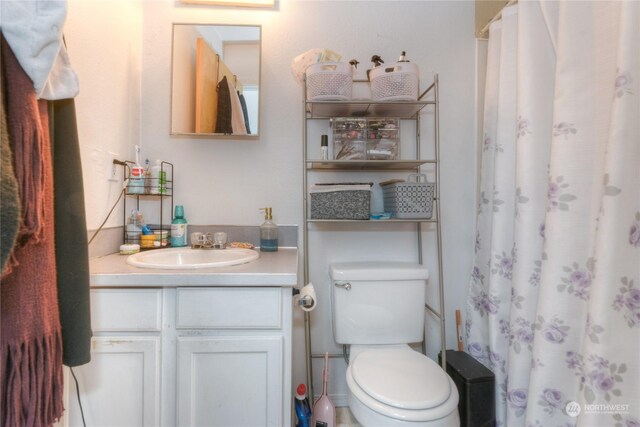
{"x":402,"y":378}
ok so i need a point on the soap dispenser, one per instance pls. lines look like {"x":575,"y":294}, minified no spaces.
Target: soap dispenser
{"x":268,"y":233}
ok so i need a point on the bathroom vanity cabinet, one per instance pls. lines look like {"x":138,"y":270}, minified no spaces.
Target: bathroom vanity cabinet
{"x":121,"y":385}
{"x":230,"y":347}
{"x":214,"y":349}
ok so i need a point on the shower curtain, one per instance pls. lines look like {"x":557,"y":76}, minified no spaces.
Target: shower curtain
{"x":554,"y":298}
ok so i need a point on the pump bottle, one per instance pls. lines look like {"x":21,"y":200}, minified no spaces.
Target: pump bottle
{"x":268,"y":233}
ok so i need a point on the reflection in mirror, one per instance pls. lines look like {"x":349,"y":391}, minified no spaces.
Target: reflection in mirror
{"x":215,"y":82}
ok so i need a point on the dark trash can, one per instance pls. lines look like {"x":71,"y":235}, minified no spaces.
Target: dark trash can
{"x":476,"y":388}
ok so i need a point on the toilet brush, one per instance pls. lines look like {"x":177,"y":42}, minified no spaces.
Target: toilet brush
{"x":324,"y":413}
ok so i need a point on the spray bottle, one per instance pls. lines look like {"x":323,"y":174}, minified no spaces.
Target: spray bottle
{"x":303,"y":409}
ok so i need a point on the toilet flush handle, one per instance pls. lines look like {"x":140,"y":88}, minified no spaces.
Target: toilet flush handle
{"x":346,"y":286}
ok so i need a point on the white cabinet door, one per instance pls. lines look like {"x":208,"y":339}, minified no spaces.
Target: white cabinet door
{"x":120,"y":386}
{"x":230,"y":381}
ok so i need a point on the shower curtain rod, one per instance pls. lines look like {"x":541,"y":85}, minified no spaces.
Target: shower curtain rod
{"x":485,"y":29}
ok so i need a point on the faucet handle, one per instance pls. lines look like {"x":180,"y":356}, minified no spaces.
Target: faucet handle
{"x":207,"y":241}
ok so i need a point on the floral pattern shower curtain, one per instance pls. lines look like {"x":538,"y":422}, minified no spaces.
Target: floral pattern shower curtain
{"x":554,"y":299}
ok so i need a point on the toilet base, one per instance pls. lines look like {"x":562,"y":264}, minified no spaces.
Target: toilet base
{"x":370,"y":418}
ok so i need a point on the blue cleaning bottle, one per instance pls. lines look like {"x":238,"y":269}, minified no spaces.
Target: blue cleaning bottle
{"x":303,"y":409}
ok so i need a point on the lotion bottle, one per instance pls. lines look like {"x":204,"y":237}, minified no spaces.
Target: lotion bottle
{"x":268,"y":233}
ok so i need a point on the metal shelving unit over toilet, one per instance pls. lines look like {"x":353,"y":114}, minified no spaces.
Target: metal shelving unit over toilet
{"x":323,"y":110}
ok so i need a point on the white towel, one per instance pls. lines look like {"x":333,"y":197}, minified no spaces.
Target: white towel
{"x":237,"y":117}
{"x":33,"y":29}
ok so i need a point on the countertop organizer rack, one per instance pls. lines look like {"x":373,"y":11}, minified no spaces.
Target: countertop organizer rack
{"x":404,"y":110}
{"x":166,"y":168}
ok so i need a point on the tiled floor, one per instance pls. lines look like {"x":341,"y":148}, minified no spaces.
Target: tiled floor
{"x":344,"y":418}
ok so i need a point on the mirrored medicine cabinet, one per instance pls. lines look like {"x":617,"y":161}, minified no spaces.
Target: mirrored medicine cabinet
{"x":215,"y":80}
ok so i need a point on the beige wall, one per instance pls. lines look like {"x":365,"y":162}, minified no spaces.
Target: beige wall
{"x":104,"y":40}
{"x":485,"y":11}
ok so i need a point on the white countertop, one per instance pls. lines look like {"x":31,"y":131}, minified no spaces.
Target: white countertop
{"x":270,"y":269}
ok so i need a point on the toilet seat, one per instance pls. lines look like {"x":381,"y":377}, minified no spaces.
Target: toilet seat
{"x":396,"y":377}
{"x":401,"y":383}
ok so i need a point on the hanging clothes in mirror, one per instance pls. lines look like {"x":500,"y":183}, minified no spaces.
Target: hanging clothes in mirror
{"x":237,"y":117}
{"x":223,"y":122}
{"x":245,"y":112}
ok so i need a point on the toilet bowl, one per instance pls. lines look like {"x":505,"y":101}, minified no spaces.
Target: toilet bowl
{"x":394,"y":385}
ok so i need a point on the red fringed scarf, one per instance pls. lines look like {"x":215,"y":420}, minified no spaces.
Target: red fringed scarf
{"x":28,"y":140}
{"x":31,"y":342}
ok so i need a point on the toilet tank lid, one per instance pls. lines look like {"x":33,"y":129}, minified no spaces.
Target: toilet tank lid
{"x":378,"y":271}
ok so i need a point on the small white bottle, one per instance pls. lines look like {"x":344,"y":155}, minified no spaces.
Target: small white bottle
{"x":324,"y":147}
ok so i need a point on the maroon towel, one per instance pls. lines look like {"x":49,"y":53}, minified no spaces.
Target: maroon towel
{"x":30,"y":340}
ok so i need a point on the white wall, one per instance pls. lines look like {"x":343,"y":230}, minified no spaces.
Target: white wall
{"x":104,"y":40}
{"x":226,"y":181}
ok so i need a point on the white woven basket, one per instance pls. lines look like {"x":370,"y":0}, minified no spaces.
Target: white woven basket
{"x":329,"y":81}
{"x":411,"y":199}
{"x":396,"y":82}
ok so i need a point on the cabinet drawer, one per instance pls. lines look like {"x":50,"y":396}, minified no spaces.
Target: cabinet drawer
{"x":126,"y":310}
{"x":228,"y":308}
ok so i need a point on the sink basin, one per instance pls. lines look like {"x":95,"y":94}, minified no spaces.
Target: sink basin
{"x":187,"y":258}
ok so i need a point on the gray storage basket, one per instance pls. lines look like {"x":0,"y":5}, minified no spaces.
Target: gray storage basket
{"x":341,"y":203}
{"x":410,"y":200}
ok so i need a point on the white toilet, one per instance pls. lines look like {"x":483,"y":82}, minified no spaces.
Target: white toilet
{"x":378,"y":308}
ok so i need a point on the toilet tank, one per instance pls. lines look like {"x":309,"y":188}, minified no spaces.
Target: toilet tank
{"x":378,"y":302}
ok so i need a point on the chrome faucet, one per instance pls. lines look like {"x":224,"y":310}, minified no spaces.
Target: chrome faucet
{"x":207,"y":241}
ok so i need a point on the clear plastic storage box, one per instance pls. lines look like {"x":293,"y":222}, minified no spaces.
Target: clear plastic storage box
{"x":383,"y":139}
{"x":349,"y":138}
{"x":366,"y":139}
